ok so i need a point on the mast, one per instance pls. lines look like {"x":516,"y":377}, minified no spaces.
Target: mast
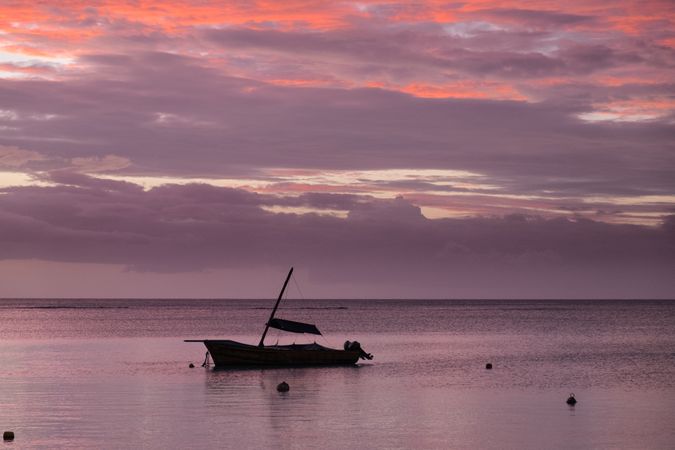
{"x":281,"y":294}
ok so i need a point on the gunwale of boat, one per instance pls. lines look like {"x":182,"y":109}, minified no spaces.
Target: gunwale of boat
{"x":228,"y":353}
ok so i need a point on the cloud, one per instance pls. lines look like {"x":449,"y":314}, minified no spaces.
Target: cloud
{"x":413,"y":52}
{"x":557,"y":110}
{"x":95,"y":164}
{"x":12,"y":157}
{"x":326,"y":128}
{"x":534,"y":156}
{"x":198,"y":227}
{"x":536,"y":17}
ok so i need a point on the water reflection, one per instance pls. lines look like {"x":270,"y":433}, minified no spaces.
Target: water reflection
{"x":290,"y":417}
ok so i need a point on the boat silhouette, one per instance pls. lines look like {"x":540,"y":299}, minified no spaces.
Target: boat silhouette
{"x":227,"y":353}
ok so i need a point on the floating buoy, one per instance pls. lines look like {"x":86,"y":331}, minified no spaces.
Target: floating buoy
{"x":488,"y":366}
{"x":283,"y":387}
{"x":191,"y":366}
{"x":8,"y":436}
{"x":571,"y":400}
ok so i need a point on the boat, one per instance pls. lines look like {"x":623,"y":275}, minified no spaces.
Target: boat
{"x":227,"y":353}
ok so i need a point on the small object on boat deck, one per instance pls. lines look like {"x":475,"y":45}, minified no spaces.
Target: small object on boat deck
{"x":191,"y":366}
{"x":8,"y":436}
{"x":283,"y":387}
{"x":571,"y":400}
{"x":488,"y":366}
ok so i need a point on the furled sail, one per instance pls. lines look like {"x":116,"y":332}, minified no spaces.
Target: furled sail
{"x":293,"y":327}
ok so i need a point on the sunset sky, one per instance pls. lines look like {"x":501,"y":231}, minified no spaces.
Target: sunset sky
{"x":479,"y":149}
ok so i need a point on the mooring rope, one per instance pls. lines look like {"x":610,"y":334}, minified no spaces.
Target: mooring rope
{"x":297,"y":286}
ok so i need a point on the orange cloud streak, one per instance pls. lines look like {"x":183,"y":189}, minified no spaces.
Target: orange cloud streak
{"x":69,"y":28}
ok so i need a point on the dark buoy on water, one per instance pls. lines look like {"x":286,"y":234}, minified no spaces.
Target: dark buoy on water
{"x":191,"y":366}
{"x":488,"y":366}
{"x":8,"y":436}
{"x":571,"y":400}
{"x":283,"y":387}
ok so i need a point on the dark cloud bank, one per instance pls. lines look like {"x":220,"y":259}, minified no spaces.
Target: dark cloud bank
{"x":387,"y":246}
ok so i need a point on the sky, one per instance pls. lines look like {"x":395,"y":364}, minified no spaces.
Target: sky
{"x":478,"y":149}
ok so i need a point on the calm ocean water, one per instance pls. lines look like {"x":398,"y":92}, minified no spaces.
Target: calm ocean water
{"x":114,"y":374}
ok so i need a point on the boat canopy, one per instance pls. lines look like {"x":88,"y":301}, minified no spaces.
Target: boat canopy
{"x":293,"y":327}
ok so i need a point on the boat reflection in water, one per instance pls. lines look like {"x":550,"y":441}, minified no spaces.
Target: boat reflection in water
{"x":227,"y":353}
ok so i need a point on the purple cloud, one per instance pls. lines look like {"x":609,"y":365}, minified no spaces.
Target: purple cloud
{"x":150,"y":110}
{"x":198,"y":227}
{"x":377,"y":118}
{"x":536,"y":17}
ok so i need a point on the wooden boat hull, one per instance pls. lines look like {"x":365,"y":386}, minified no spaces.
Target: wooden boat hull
{"x":226,"y":353}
